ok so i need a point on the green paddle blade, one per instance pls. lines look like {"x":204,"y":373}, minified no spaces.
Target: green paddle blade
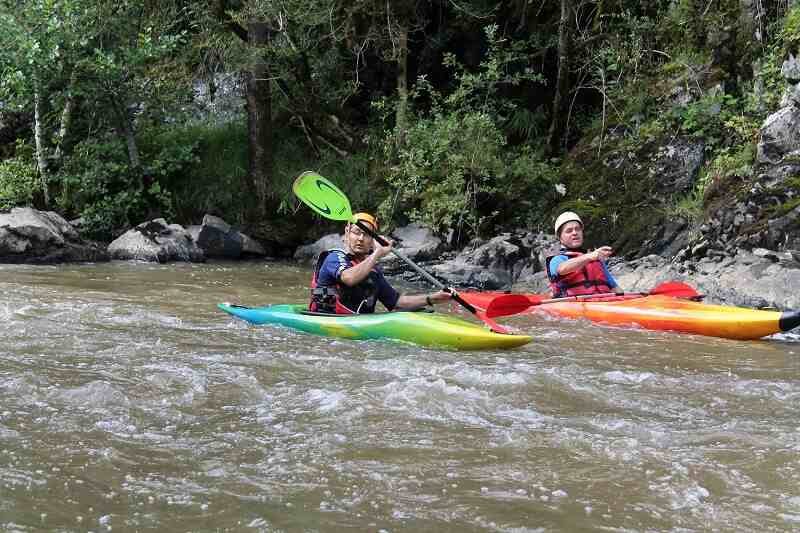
{"x":322,"y":196}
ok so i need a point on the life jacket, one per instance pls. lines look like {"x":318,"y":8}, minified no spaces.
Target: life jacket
{"x":342,"y":299}
{"x":591,"y":279}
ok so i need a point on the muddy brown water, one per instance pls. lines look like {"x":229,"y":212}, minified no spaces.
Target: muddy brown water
{"x":129,"y":403}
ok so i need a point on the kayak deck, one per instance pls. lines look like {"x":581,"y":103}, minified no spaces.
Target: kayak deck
{"x":659,"y":312}
{"x":425,"y":329}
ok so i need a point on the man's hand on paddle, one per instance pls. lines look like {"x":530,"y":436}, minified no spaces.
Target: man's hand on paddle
{"x":382,"y":251}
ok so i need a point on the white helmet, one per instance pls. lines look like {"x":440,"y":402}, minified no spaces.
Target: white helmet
{"x":567,"y":216}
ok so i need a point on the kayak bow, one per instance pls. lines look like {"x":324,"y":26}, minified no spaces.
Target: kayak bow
{"x":425,"y":329}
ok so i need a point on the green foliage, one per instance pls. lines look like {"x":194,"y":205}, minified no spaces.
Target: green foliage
{"x":729,"y":163}
{"x":214,"y":182}
{"x":789,"y":33}
{"x":449,"y":161}
{"x":453,"y":157}
{"x":718,"y":119}
{"x":18,"y":179}
{"x":526,"y":124}
{"x":690,"y":206}
{"x":98,"y":183}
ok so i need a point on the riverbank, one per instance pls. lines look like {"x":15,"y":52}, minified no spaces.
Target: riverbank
{"x":755,"y":277}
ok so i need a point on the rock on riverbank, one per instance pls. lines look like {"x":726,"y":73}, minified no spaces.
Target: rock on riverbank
{"x":31,"y":236}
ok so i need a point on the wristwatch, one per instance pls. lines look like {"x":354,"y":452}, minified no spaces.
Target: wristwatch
{"x":428,"y":300}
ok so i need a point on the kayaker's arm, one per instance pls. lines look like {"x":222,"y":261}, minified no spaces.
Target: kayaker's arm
{"x":576,"y":263}
{"x":415,"y":301}
{"x":358,"y":273}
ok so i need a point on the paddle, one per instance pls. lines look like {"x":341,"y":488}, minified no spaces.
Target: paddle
{"x":329,"y":201}
{"x":674,"y":289}
{"x":511,"y":304}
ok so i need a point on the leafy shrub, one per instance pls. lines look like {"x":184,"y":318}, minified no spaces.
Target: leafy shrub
{"x":98,"y":183}
{"x":446,"y":171}
{"x":450,"y":160}
{"x":18,"y":182}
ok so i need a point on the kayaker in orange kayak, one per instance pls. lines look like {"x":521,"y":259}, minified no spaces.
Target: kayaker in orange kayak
{"x":350,"y":281}
{"x":571,"y":269}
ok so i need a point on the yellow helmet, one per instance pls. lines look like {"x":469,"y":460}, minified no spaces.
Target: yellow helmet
{"x":566,"y":216}
{"x":369,"y":219}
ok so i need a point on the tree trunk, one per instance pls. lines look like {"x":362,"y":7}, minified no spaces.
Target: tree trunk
{"x":41,"y":157}
{"x":556,"y":133}
{"x":259,"y":118}
{"x":402,"y":87}
{"x":126,"y":130}
{"x":66,"y":120}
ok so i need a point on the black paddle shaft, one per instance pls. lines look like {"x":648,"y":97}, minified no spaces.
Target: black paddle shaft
{"x":435,"y":282}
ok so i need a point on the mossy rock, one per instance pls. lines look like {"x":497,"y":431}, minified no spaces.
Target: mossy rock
{"x":615,"y":193}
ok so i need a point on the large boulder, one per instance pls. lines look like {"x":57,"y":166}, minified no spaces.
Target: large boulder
{"x":31,"y":236}
{"x":218,"y":239}
{"x":417,"y":242}
{"x":780,"y":136}
{"x":490,"y":265}
{"x":677,"y":165}
{"x":307,"y":253}
{"x":156,"y":241}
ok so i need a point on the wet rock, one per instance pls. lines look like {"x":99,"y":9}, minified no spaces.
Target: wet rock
{"x":790,"y":69}
{"x":746,"y":280}
{"x":461,"y":274}
{"x":766,"y":254}
{"x":416,"y":242}
{"x":156,"y":241}
{"x":699,"y":249}
{"x":31,"y":236}
{"x":668,"y":240}
{"x":309,"y":252}
{"x":491,"y":265}
{"x":780,"y":136}
{"x":218,"y":239}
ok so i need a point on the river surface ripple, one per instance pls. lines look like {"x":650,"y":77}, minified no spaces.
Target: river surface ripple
{"x":129,"y":403}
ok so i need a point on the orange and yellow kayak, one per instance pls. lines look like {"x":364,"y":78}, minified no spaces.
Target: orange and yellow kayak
{"x":661,"y":312}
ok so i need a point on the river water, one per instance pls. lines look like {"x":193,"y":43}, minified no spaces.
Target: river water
{"x":129,"y":403}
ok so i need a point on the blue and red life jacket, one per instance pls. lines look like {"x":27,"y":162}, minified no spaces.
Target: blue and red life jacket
{"x":591,"y":279}
{"x":342,"y":299}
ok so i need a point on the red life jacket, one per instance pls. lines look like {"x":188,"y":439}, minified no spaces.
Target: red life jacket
{"x":591,"y":279}
{"x":342,"y":299}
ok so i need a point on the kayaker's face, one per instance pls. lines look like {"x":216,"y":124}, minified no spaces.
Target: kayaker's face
{"x":572,"y":234}
{"x":359,"y":242}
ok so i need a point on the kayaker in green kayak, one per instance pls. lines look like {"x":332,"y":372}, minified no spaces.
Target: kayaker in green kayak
{"x":573,"y":270}
{"x":350,"y":281}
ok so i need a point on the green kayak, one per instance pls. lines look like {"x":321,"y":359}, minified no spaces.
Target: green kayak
{"x":425,"y":329}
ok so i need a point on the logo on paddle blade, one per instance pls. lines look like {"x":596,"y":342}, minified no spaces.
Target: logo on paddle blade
{"x":325,"y":209}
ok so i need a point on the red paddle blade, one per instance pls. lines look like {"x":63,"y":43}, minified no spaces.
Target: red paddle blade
{"x":480,"y":300}
{"x":494,"y":326}
{"x":676,"y":289}
{"x":476,"y":304}
{"x":507,"y":304}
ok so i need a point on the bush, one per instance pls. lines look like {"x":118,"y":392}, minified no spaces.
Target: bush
{"x":448,"y":169}
{"x":98,"y":184}
{"x":449,"y":161}
{"x":18,"y":182}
